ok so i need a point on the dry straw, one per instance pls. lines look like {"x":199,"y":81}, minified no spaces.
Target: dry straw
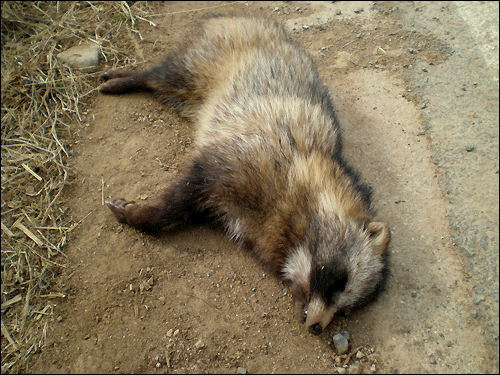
{"x":42,"y":104}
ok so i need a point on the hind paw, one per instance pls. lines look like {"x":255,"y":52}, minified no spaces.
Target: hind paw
{"x":121,"y":208}
{"x":117,"y":82}
{"x":114,"y":86}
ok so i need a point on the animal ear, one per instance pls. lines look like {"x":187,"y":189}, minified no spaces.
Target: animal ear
{"x":379,"y":236}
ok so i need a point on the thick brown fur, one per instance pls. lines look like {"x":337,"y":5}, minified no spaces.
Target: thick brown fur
{"x":267,"y":164}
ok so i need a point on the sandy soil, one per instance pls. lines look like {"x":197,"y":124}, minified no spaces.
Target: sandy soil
{"x":193,"y":301}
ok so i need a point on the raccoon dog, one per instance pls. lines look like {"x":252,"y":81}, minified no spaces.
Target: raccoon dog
{"x":266,"y":164}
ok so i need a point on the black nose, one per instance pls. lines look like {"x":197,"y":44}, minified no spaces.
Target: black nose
{"x":315,"y":329}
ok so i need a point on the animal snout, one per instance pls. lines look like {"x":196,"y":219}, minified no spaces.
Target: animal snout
{"x":315,"y":329}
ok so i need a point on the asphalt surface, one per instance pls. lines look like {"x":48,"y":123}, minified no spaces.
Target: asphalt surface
{"x":460,"y":104}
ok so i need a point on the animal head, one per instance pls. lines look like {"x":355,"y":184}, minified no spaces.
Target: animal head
{"x":338,"y":269}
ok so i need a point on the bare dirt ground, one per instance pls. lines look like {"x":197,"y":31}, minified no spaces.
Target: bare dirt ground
{"x":193,"y":301}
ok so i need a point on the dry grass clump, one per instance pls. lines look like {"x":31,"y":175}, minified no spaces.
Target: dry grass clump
{"x":41,"y":101}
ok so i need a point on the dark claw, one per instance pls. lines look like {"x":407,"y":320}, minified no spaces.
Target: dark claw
{"x":106,"y":75}
{"x":304,"y":316}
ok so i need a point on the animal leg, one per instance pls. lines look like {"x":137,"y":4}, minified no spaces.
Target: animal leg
{"x":179,"y":205}
{"x":123,"y":81}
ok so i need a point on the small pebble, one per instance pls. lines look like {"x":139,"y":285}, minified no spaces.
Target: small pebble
{"x":199,"y":344}
{"x":373,"y":368}
{"x":340,"y":370}
{"x":474,"y":314}
{"x":340,"y":343}
{"x":478,"y":299}
{"x":346,"y":334}
{"x":410,"y":50}
{"x":470,"y":148}
{"x":241,"y":370}
{"x":338,"y":12}
{"x":355,"y":368}
{"x":305,"y":27}
{"x":359,"y":354}
{"x":432,"y":361}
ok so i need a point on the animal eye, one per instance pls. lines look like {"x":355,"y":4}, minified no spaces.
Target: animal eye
{"x":337,"y":287}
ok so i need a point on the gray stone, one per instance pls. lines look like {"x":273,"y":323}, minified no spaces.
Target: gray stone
{"x":469,"y":148}
{"x":346,"y":334}
{"x":84,"y":56}
{"x":341,"y":343}
{"x":478,"y":299}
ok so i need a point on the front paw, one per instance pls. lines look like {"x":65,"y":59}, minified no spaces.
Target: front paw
{"x":299,"y":311}
{"x":113,"y":86}
{"x":121,"y":208}
{"x":300,"y":299}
